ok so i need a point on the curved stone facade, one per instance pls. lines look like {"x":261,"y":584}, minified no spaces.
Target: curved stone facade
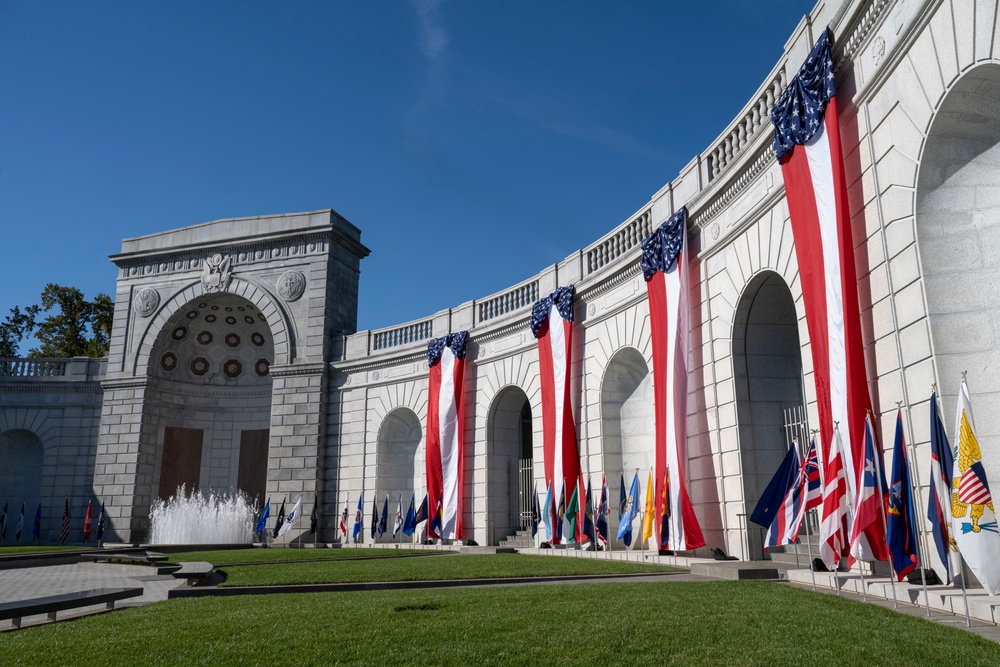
{"x":919,"y":92}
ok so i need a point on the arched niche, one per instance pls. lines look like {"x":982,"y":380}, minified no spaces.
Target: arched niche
{"x":958,"y":238}
{"x":628,"y":424}
{"x":399,"y":463}
{"x":208,"y":402}
{"x":22,"y":457}
{"x":509,"y":473}
{"x":767,"y":359}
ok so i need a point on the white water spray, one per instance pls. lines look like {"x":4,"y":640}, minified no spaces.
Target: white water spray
{"x":203,"y":519}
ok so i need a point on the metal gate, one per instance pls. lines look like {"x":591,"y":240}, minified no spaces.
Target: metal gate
{"x":525,"y":473}
{"x":795,"y":424}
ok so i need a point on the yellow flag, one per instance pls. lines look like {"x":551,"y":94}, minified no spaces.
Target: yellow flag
{"x":649,"y":510}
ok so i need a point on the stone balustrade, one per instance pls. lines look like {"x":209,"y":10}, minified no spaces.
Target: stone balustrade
{"x":402,"y":335}
{"x":620,"y":241}
{"x":515,"y":298}
{"x":63,"y":369}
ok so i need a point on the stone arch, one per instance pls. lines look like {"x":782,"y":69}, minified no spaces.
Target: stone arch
{"x":268,"y":305}
{"x":957,"y":215}
{"x":627,"y":420}
{"x":398,"y":460}
{"x":510,"y":448}
{"x":22,"y":458}
{"x":767,"y":371}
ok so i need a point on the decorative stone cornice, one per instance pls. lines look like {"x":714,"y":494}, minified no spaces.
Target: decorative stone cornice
{"x":294,"y":370}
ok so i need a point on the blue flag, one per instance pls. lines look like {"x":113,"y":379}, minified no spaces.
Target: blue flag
{"x":261,"y":521}
{"x":536,"y":512}
{"x":547,"y":513}
{"x":410,"y":522}
{"x":421,"y":515}
{"x":434,"y":527}
{"x":777,"y":489}
{"x":359,"y":518}
{"x":36,"y":530}
{"x":900,"y":534}
{"x":942,"y":473}
{"x":384,"y":520}
{"x":588,"y":517}
{"x":628,"y":510}
{"x":602,"y":513}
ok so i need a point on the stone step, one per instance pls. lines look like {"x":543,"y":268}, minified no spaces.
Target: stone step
{"x":736,"y":570}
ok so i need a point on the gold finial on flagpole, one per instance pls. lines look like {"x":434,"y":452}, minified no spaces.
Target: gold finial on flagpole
{"x":814,"y":431}
{"x":934,"y":387}
{"x":899,"y":405}
{"x":964,"y":373}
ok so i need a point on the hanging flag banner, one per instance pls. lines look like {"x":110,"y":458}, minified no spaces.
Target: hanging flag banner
{"x":939,"y":504}
{"x":665,"y":268}
{"x":974,"y":520}
{"x":445,"y":432}
{"x":807,"y":145}
{"x":552,"y":325}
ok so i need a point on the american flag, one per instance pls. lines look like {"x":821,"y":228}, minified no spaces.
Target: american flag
{"x":65,"y":524}
{"x":665,"y":268}
{"x":807,"y":145}
{"x":833,"y":529}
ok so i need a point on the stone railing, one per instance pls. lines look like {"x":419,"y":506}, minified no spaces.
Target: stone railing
{"x":402,"y":335}
{"x":32,"y":368}
{"x":620,"y":241}
{"x":754,"y":119}
{"x":515,"y":298}
{"x":764,"y":157}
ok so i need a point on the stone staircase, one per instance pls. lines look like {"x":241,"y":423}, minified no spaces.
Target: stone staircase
{"x":522,"y":539}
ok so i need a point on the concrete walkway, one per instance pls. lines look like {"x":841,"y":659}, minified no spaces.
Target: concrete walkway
{"x":34,"y":582}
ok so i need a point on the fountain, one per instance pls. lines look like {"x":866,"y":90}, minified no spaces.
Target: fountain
{"x":203,"y":519}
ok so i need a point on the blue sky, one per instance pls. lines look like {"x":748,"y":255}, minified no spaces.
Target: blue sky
{"x":474,"y":143}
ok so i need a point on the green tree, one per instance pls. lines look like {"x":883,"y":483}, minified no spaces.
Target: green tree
{"x":71,"y":327}
{"x":15,"y":328}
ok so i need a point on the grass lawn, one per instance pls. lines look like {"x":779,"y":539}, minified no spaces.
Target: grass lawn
{"x":36,"y":548}
{"x":258,"y":555}
{"x":716,"y":623}
{"x":436,"y":567}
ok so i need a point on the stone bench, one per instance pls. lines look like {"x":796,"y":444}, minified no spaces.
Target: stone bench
{"x":196,"y":572}
{"x":136,"y":559}
{"x":53,"y":604}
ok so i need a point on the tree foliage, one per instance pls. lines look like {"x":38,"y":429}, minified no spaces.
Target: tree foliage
{"x":72,"y":326}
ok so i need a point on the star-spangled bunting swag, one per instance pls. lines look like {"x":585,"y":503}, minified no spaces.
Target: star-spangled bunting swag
{"x":445,"y":432}
{"x":974,"y":522}
{"x":869,"y":508}
{"x":552,"y":325}
{"x":665,"y":268}
{"x":834,"y":542}
{"x":901,"y":534}
{"x":807,"y":144}
{"x":939,"y":505}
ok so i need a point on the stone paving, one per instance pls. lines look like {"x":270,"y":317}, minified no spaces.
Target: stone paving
{"x":35,"y":582}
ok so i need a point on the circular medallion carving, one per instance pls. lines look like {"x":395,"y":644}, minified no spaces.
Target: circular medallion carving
{"x":878,"y":49}
{"x":291,"y":285}
{"x":374,"y":375}
{"x":591,"y":310}
{"x":146,"y":302}
{"x":715,"y":231}
{"x":199,"y":365}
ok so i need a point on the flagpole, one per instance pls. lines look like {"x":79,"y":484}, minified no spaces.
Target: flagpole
{"x":809,"y":548}
{"x":877,"y":455}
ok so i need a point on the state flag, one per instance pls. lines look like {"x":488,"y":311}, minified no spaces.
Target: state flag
{"x":359,"y":519}
{"x":603,"y":510}
{"x":648,"y":510}
{"x":398,"y":523}
{"x":262,"y":519}
{"x":86,"y":522}
{"x":410,"y":522}
{"x":901,"y":534}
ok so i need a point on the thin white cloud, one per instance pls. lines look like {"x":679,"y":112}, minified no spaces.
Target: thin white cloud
{"x":433,"y":36}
